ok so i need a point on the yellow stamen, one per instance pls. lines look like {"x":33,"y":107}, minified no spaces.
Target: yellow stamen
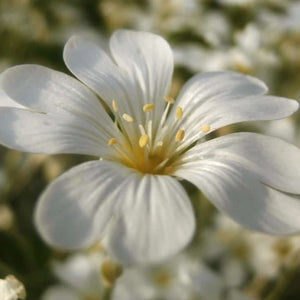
{"x":148,"y":107}
{"x":115,"y":105}
{"x":179,"y":135}
{"x":169,"y":99}
{"x":127,"y":118}
{"x":205,"y":128}
{"x":143,"y":141}
{"x":179,"y":113}
{"x":112,"y":141}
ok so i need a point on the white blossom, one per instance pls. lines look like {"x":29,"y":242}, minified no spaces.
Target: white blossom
{"x":131,"y":197}
{"x":79,"y":278}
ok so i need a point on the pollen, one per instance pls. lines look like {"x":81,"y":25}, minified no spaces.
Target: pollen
{"x":115,"y":106}
{"x":148,"y":107}
{"x":112,"y":141}
{"x":169,"y":99}
{"x":179,"y":113}
{"x":179,"y":135}
{"x":205,"y":128}
{"x":143,"y":141}
{"x":127,"y":118}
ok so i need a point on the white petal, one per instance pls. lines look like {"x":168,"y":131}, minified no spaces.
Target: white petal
{"x":80,"y":271}
{"x":75,"y":209}
{"x":61,"y":292}
{"x":238,"y":295}
{"x":276,"y":162}
{"x":222,"y":98}
{"x":142,"y":72}
{"x":93,"y":66}
{"x":49,"y":91}
{"x":157,"y":220}
{"x":49,"y":133}
{"x":237,"y":192}
{"x":148,"y":61}
{"x":5,"y":101}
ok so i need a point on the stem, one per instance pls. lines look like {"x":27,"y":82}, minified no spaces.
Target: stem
{"x":107,"y":292}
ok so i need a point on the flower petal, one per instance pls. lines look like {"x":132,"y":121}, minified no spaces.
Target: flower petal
{"x":70,"y":110}
{"x":49,"y":91}
{"x":148,"y":61}
{"x":218,"y":99}
{"x":142,"y":72}
{"x":144,"y":217}
{"x":75,"y":210}
{"x":5,"y":101}
{"x":157,"y":220}
{"x":60,"y":292}
{"x":237,"y":192}
{"x":274,"y":161}
{"x":35,"y":132}
{"x":93,"y":66}
{"x":81,"y":272}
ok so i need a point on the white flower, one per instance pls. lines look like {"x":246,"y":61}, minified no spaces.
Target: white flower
{"x":11,"y":288}
{"x":80,"y":278}
{"x":180,"y":278}
{"x":131,"y":196}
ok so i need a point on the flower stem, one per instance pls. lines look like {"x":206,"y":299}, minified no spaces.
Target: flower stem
{"x":107,"y":293}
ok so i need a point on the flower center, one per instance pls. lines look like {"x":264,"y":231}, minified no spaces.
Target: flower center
{"x":147,"y":147}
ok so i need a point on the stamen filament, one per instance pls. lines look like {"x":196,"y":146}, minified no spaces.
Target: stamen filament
{"x":169,"y":99}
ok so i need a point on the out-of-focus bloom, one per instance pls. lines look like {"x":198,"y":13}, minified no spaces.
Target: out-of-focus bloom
{"x":131,"y":196}
{"x":239,"y":251}
{"x":269,"y":254}
{"x":179,"y":279}
{"x":80,"y":278}
{"x":11,"y":288}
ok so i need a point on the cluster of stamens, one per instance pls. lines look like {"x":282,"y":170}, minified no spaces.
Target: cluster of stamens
{"x":154,"y":150}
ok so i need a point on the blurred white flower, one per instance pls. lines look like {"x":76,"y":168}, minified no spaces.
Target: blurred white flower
{"x":292,"y":19}
{"x":80,"y":278}
{"x":131,"y":196}
{"x":11,"y":288}
{"x":269,"y":254}
{"x":239,"y":251}
{"x":179,"y":279}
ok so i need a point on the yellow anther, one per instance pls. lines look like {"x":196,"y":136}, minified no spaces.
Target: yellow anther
{"x":112,"y":141}
{"x":179,"y":113}
{"x":127,"y":118}
{"x":169,"y":99}
{"x":179,"y":135}
{"x":143,"y":141}
{"x":115,"y":105}
{"x":148,"y":107}
{"x":205,"y":128}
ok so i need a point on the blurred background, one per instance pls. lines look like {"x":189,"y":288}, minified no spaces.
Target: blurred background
{"x":256,"y":37}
